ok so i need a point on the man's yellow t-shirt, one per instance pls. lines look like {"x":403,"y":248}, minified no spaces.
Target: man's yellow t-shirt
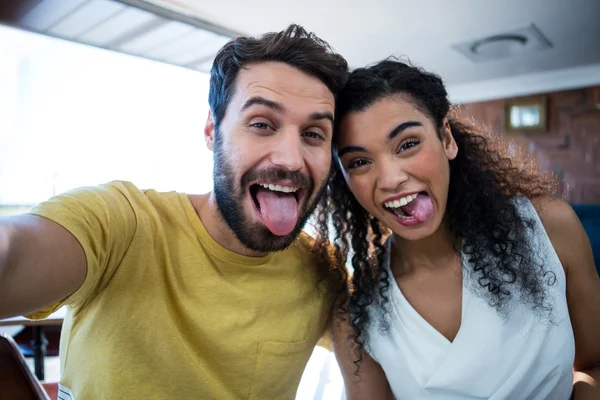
{"x":167,"y":313}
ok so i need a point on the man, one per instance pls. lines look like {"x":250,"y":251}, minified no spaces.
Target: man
{"x":212,"y":296}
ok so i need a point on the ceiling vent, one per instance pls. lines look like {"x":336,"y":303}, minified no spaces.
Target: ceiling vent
{"x":505,"y":45}
{"x":127,"y":26}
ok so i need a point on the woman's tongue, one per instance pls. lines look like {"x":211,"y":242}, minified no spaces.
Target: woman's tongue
{"x":420,"y":208}
{"x":279,"y":210}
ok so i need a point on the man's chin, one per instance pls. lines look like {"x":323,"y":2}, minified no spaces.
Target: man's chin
{"x":261,"y":239}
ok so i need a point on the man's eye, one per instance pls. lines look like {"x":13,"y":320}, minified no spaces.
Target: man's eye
{"x":260,"y":125}
{"x":313,"y":135}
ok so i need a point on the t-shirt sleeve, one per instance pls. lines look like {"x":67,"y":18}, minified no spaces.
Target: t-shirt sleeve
{"x":103,"y":221}
{"x":325,"y":340}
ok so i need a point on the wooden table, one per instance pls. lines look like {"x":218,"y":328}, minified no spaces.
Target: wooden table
{"x":39,"y":340}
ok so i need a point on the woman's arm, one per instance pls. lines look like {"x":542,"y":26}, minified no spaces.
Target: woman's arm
{"x":370,"y":383}
{"x":586,"y":384}
{"x":583,"y":290}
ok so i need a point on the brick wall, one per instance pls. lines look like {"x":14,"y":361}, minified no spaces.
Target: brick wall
{"x":570,"y":146}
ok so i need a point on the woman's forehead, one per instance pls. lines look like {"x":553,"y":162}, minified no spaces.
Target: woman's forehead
{"x":379,"y":119}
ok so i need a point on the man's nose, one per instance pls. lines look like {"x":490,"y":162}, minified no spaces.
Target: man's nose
{"x":288,"y":151}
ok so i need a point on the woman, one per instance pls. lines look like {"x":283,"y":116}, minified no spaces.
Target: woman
{"x":486,"y":286}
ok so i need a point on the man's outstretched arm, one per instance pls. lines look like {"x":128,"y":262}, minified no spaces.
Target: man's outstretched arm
{"x":41,"y":263}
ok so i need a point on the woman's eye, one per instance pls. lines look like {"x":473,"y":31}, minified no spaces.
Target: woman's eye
{"x":357,"y":164}
{"x":408,"y":145}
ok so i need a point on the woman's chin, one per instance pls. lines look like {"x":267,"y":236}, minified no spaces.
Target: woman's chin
{"x":412,"y":230}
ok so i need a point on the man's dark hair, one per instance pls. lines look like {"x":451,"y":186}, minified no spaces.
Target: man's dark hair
{"x":293,"y":46}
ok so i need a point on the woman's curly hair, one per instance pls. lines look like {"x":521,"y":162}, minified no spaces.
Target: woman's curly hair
{"x":485,"y":177}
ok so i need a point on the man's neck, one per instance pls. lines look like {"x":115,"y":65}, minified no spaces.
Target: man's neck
{"x":208,"y":212}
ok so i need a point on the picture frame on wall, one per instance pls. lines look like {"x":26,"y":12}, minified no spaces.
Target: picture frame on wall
{"x":526,"y":114}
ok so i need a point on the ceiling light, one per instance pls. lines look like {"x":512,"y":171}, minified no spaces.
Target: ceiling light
{"x":503,"y":45}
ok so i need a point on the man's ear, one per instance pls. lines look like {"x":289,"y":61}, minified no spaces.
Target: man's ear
{"x":209,"y":131}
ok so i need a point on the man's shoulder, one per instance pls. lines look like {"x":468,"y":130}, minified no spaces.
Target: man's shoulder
{"x":305,"y":241}
{"x":140,"y":197}
{"x":114,"y":190}
{"x":305,"y":244}
{"x":318,"y":251}
{"x":128,"y":189}
{"x":124,"y":187}
{"x":115,"y":200}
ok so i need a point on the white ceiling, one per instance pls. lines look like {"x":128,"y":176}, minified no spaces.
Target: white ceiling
{"x":127,"y":26}
{"x":189,"y":33}
{"x":424,"y":31}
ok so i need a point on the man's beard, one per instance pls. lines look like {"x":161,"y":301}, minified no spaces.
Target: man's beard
{"x":230,"y":202}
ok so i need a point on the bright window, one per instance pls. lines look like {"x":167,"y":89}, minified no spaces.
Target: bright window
{"x":73,"y":115}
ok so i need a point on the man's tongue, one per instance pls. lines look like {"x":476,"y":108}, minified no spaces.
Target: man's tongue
{"x":420,"y":208}
{"x":279,"y":210}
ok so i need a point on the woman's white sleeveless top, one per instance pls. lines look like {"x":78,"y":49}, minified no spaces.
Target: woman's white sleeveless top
{"x":518,"y":356}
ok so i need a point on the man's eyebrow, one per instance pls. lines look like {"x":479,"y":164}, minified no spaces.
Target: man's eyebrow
{"x":261,"y":101}
{"x":322,"y":115}
{"x":319,"y":116}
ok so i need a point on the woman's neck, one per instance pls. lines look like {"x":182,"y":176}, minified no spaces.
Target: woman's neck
{"x":431,"y":253}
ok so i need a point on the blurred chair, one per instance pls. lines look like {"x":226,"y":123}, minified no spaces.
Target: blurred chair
{"x":589,"y":214}
{"x":17,"y":381}
{"x":52,"y":389}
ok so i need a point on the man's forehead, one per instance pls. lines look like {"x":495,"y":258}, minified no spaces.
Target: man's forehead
{"x":283,"y":83}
